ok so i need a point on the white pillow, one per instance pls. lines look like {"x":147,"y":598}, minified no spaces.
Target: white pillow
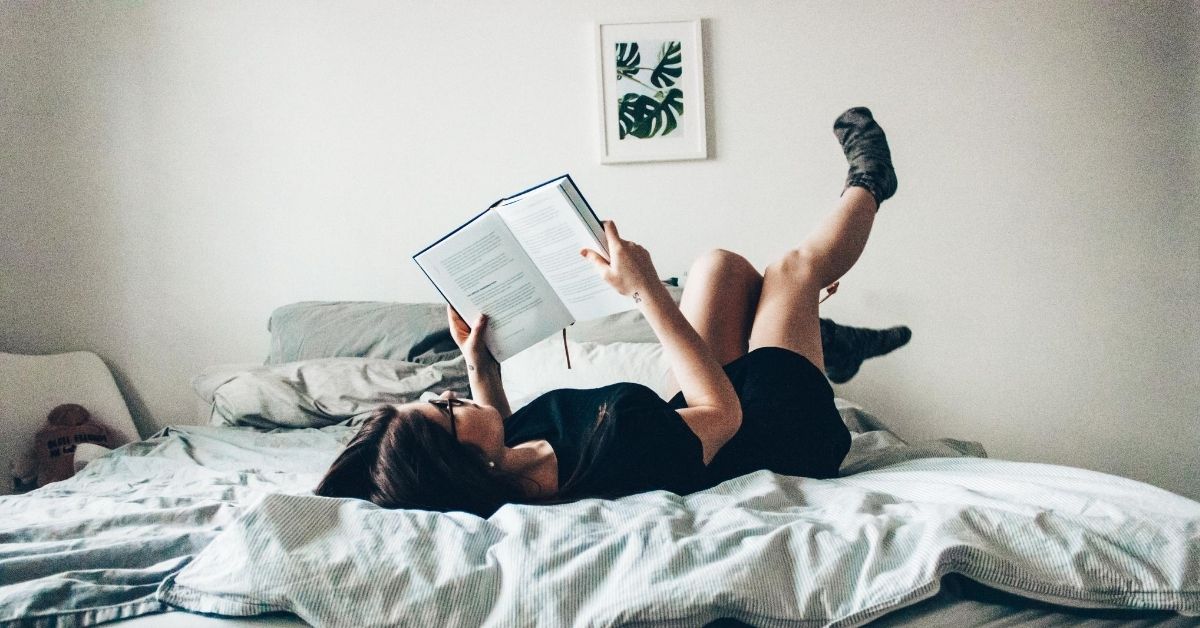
{"x":543,"y":367}
{"x":32,"y":385}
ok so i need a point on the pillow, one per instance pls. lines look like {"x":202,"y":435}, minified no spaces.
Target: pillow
{"x":210,"y":379}
{"x":322,"y":392}
{"x":32,"y":385}
{"x":543,"y":367}
{"x":413,"y":332}
{"x":628,"y":326}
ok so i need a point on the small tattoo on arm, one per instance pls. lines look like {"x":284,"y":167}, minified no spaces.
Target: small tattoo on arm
{"x":470,"y":367}
{"x":637,"y":297}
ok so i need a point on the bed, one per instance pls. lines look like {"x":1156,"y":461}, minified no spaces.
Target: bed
{"x":215,"y":524}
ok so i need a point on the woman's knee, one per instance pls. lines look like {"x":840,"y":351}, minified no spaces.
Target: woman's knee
{"x":721,"y":261}
{"x":798,"y":265}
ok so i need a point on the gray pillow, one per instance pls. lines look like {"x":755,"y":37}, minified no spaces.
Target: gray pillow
{"x":413,"y":332}
{"x":323,"y":392}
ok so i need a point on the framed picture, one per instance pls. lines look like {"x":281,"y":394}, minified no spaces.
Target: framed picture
{"x":651,"y":91}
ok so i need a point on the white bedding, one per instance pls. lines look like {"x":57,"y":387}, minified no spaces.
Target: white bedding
{"x":766,"y":549}
{"x":102,"y":545}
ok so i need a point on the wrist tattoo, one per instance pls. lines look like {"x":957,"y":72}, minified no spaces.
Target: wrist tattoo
{"x":470,"y":367}
{"x":637,"y":297}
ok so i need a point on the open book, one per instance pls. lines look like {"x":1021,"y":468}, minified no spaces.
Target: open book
{"x":518,"y":262}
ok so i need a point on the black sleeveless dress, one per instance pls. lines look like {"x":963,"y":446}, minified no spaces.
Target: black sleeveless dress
{"x":789,"y":425}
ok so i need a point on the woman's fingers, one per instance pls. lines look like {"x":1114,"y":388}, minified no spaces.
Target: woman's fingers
{"x":472,"y":334}
{"x":610,"y":228}
{"x":471,"y":340}
{"x":458,"y":327}
{"x":627,"y":265}
{"x":595,"y":258}
{"x":453,"y":315}
{"x":466,"y":337}
{"x":456,"y":319}
{"x":610,"y":233}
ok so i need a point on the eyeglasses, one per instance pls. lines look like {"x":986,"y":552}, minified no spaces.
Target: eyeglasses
{"x":447,"y":406}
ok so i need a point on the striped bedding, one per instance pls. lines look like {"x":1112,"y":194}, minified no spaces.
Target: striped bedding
{"x":221,"y":520}
{"x":765,"y":549}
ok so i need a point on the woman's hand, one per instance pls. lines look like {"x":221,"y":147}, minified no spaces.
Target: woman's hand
{"x":483,"y":371}
{"x":629,"y":269}
{"x":470,"y":340}
{"x":714,"y":412}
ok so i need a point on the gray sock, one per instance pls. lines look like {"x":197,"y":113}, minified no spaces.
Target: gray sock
{"x":866,"y":148}
{"x":846,"y":347}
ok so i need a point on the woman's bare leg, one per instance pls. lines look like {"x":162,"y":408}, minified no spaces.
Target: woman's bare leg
{"x":787,"y":314}
{"x":787,"y":310}
{"x":720,"y":299}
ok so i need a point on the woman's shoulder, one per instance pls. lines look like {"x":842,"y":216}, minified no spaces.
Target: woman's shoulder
{"x":619,"y":391}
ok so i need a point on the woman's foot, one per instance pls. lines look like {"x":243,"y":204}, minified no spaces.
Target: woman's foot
{"x":846,"y":347}
{"x":866,"y":149}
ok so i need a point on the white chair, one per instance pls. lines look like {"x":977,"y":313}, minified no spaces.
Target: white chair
{"x":32,"y":385}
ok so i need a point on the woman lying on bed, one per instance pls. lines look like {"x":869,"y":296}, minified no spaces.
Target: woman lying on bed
{"x":768,"y":407}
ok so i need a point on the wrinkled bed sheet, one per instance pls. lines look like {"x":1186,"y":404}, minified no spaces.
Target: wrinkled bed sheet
{"x":136,"y":529}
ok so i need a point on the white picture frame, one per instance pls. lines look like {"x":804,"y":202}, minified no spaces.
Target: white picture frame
{"x":651,"y":77}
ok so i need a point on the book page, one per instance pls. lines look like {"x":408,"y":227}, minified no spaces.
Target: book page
{"x":482,"y":268}
{"x":552,"y":232}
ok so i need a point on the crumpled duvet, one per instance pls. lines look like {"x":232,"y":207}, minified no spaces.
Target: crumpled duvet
{"x":96,"y":547}
{"x":765,"y":549}
{"x":103,"y":545}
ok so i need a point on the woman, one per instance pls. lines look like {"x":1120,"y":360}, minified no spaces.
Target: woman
{"x":744,"y":348}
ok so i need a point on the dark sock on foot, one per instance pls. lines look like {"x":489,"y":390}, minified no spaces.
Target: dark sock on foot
{"x":846,"y":347}
{"x":866,"y":149}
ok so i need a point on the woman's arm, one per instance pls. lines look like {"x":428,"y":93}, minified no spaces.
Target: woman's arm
{"x":714,"y":412}
{"x":483,"y":371}
{"x":487,"y":387}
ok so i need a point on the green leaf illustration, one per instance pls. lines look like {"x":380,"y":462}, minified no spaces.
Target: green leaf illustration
{"x":670,"y":64}
{"x":628,"y":59}
{"x":644,"y":117}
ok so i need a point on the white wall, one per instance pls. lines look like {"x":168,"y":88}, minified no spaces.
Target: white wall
{"x":171,"y":172}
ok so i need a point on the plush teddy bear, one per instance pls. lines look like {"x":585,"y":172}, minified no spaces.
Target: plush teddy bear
{"x":68,"y":426}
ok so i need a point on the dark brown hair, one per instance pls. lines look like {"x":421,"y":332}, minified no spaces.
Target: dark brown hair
{"x":401,"y":459}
